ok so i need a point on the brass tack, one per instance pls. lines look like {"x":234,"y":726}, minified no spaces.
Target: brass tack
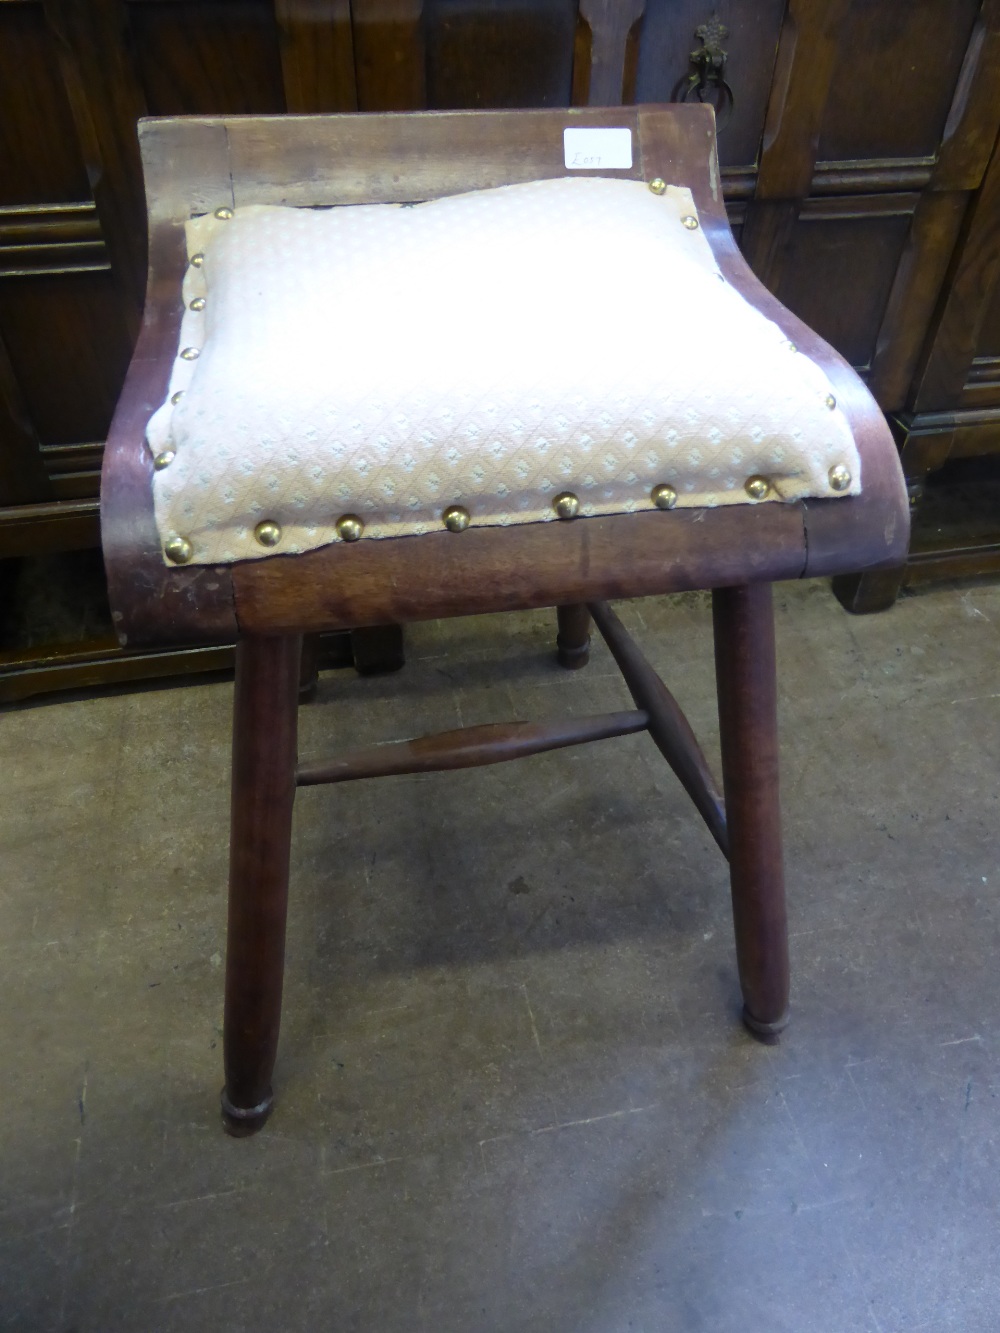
{"x":190,"y":354}
{"x":197,"y":260}
{"x":831,"y":402}
{"x":179,"y":550}
{"x":791,"y":346}
{"x":197,"y":304}
{"x":658,"y":185}
{"x":456,"y":519}
{"x":566,"y":505}
{"x":664,"y":497}
{"x":757,"y":487}
{"x":223,"y":214}
{"x":690,"y":221}
{"x":165,"y":459}
{"x":349,"y":527}
{"x":840,"y":478}
{"x":175,"y":398}
{"x":268,"y":533}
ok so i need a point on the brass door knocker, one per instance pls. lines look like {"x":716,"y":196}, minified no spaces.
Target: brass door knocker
{"x":707,"y":81}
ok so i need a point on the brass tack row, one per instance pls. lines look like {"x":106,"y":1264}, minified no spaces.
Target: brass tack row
{"x":456,"y":518}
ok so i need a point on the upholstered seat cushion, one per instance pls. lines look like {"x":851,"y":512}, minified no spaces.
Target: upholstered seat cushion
{"x":490,"y":351}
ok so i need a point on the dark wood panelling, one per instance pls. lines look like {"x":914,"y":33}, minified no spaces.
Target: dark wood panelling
{"x":667,"y":39}
{"x":59,"y":238}
{"x":390,"y":60}
{"x":507,"y":53}
{"x":807,"y":53}
{"x":897,"y":69}
{"x":207,"y":56}
{"x":106,"y":102}
{"x":22,"y":474}
{"x":606,"y":54}
{"x":38,"y":168}
{"x":317,"y":55}
{"x":69,"y":348}
{"x":56,"y":526}
{"x":955,"y":338}
{"x":839,"y":265}
{"x":804,"y":68}
{"x":988,"y":344}
{"x":916,"y":286}
{"x":974,"y":118}
{"x":73,"y":470}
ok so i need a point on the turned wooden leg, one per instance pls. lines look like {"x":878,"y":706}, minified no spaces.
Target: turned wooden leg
{"x":377,"y":649}
{"x":573,"y":641}
{"x":745,"y":672}
{"x":264,"y":758}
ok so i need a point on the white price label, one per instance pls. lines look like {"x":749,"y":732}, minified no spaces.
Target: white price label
{"x":598,"y":149}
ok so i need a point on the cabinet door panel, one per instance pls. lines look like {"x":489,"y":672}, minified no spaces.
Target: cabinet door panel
{"x":509,"y":53}
{"x":895,"y":77}
{"x":207,"y":57}
{"x":42,"y":163}
{"x":69,"y":350}
{"x":839,"y":269}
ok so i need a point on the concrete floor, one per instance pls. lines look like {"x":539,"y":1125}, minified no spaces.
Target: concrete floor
{"x":513,"y":1091}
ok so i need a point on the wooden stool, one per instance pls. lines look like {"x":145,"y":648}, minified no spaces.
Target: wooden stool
{"x":197,"y":166}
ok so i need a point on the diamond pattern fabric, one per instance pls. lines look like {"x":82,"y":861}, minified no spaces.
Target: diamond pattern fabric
{"x":491,"y":351}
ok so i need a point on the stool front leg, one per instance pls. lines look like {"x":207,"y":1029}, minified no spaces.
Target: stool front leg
{"x":747,"y":687}
{"x":263,"y":792}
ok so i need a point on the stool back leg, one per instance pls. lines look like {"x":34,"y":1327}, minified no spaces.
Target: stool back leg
{"x":309,"y":668}
{"x":573,"y":641}
{"x":263,"y":792}
{"x":747,"y":687}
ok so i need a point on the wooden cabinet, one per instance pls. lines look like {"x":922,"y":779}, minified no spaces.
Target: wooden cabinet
{"x":857,"y":152}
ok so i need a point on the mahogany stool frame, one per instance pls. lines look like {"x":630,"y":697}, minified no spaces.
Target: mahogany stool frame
{"x":195,"y":165}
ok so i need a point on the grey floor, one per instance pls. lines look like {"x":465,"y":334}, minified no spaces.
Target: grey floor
{"x":513,"y":1090}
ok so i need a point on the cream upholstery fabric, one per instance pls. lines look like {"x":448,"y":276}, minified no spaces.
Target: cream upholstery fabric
{"x":490,"y":350}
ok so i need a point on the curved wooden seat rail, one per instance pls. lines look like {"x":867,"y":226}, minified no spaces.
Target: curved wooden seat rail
{"x":195,"y":165}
